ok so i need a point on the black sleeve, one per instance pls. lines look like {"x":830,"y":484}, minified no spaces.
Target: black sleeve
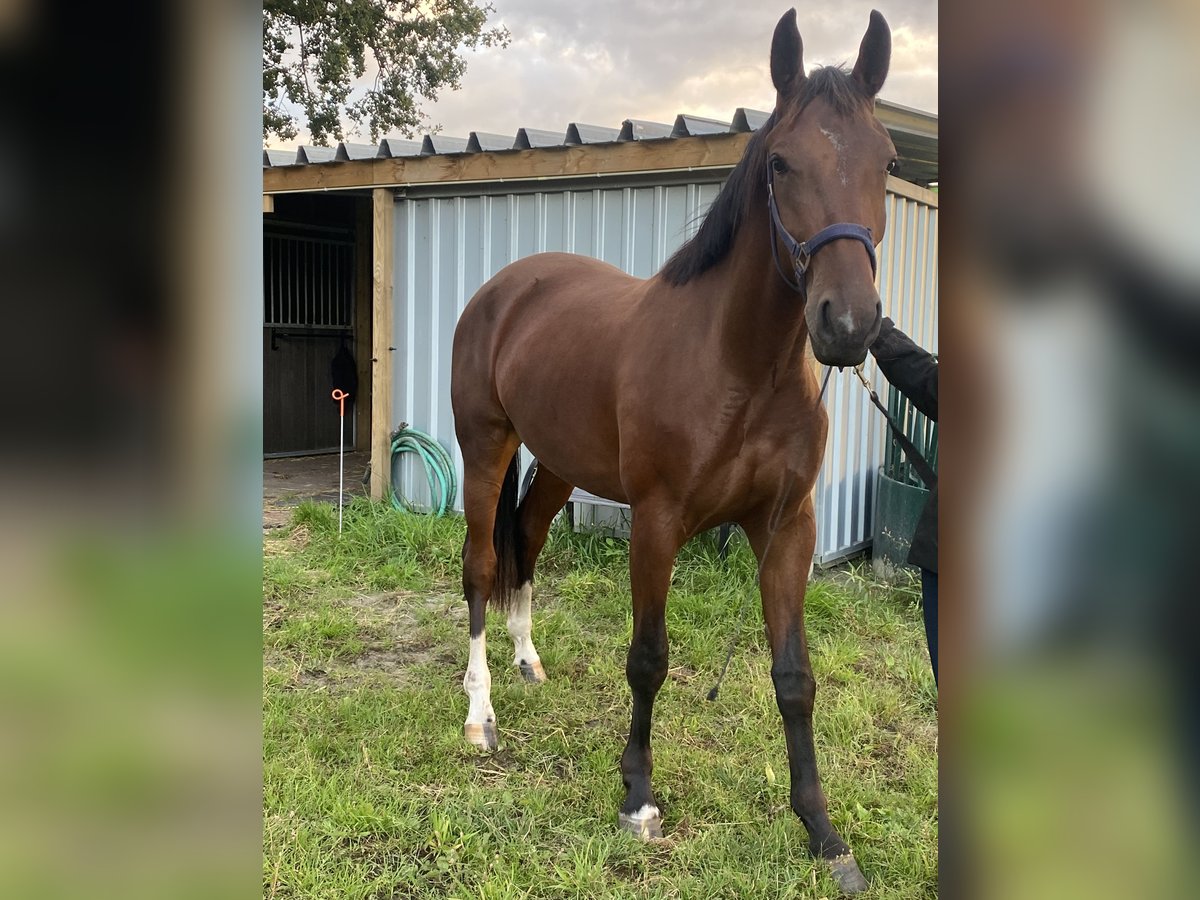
{"x":912,"y":370}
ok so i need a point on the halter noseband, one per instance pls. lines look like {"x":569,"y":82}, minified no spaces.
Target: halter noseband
{"x":802,"y":253}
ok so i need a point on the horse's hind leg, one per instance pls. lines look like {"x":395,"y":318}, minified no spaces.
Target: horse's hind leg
{"x":485,"y":466}
{"x":653,"y":542}
{"x":547,"y":495}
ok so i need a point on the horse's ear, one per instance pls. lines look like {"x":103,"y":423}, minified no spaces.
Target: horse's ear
{"x":874,"y":55}
{"x":787,"y":57}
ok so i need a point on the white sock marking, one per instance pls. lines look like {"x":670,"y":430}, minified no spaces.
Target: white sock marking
{"x":648,"y":811}
{"x":520,"y":626}
{"x":478,"y":683}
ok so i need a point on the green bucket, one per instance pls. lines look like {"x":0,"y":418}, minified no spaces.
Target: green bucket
{"x":900,"y":495}
{"x":898,"y":506}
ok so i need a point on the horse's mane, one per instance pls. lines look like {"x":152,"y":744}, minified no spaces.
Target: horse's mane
{"x":711,"y":243}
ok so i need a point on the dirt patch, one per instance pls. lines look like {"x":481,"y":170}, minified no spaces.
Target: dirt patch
{"x":682,"y":674}
{"x":396,"y":663}
{"x":399,"y":644}
{"x":289,"y":480}
{"x":404,"y":608}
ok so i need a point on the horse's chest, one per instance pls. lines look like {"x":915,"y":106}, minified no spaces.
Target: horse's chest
{"x":782,"y":436}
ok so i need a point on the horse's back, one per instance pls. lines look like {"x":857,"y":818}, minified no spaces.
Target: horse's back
{"x":559,"y":280}
{"x":543,"y":300}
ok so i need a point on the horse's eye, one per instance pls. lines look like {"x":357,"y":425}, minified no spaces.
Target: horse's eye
{"x":891,"y":166}
{"x":778,"y":166}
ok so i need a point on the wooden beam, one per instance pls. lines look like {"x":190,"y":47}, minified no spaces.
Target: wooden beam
{"x":382,"y":218}
{"x":268,"y":203}
{"x":704,"y":151}
{"x":912,"y":191}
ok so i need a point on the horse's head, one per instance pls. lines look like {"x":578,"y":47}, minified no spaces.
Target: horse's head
{"x":829,"y":158}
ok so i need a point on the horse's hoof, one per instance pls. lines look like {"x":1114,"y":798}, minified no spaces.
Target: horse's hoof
{"x":532,"y":672}
{"x":846,"y":873}
{"x":482,"y":736}
{"x":644,"y":827}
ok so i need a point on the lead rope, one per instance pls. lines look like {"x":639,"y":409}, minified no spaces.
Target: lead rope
{"x":915,"y":457}
{"x":772,"y":527}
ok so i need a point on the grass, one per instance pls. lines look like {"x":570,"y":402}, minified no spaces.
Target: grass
{"x":370,"y":791}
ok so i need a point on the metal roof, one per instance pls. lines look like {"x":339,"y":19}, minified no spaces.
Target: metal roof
{"x":748,"y":120}
{"x":306,"y":154}
{"x":482,"y":140}
{"x":686,"y":126}
{"x":915,"y":134}
{"x":346,"y":152}
{"x":578,"y":133}
{"x":641,"y":130}
{"x":530,"y":138}
{"x":390,"y":147}
{"x":436,"y":144}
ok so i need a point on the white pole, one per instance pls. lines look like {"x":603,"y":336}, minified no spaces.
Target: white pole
{"x":341,"y":466}
{"x":340,"y":396}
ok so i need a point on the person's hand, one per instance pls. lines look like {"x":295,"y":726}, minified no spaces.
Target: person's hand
{"x":886,"y":327}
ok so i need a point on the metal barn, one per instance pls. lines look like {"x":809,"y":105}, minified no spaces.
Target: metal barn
{"x":378,"y":249}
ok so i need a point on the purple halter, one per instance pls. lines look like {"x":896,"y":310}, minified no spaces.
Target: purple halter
{"x":801,"y":253}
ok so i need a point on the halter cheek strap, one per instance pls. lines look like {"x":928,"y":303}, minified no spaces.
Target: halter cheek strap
{"x":801,"y":253}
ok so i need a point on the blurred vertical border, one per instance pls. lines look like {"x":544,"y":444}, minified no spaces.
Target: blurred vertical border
{"x":1070,"y":440}
{"x":130,"y":649}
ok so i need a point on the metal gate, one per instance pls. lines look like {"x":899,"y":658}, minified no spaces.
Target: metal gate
{"x":308,"y":316}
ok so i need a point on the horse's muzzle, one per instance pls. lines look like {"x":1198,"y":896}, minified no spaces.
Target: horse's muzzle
{"x":841,"y":332}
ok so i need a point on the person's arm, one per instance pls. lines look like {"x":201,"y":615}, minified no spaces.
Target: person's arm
{"x":912,"y":370}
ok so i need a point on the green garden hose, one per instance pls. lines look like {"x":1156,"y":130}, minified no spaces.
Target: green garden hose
{"x":439,"y":469}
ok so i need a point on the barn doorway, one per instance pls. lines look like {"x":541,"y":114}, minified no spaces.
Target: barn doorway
{"x":315,"y":334}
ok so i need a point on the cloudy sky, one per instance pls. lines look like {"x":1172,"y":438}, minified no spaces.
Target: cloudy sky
{"x":602,"y":62}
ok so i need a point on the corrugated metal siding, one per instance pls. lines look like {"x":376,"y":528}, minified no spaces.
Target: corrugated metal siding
{"x":908,"y":287}
{"x":446,"y":247}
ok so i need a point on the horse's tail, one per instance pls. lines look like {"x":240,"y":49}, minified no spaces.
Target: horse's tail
{"x":507,"y":539}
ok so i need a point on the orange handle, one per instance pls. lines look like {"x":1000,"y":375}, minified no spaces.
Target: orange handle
{"x":340,"y":396}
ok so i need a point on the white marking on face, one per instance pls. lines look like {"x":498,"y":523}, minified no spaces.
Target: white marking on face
{"x":834,"y":138}
{"x":846,"y":320}
{"x":520,"y":626}
{"x":478,"y":683}
{"x":839,"y":147}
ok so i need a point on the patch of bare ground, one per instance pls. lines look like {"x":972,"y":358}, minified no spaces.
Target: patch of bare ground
{"x":404,"y":608}
{"x":401,"y":645}
{"x":681,"y":674}
{"x":286,"y":544}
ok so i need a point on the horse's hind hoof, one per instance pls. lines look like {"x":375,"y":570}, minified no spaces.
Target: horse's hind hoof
{"x":532,"y":672}
{"x":482,"y":736}
{"x":644,"y":827}
{"x":846,"y":873}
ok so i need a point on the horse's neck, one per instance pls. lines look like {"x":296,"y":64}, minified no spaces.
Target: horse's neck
{"x":759,"y":320}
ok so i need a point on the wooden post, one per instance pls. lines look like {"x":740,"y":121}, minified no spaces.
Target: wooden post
{"x":268,"y":203}
{"x":382,"y":216}
{"x":364,"y":238}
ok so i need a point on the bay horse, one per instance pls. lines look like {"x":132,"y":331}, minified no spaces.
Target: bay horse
{"x":689,"y":397}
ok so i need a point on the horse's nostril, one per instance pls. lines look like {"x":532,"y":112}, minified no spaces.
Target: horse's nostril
{"x":824,"y":315}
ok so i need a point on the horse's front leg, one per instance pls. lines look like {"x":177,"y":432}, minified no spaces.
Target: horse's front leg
{"x":785,"y":560}
{"x":654,"y":540}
